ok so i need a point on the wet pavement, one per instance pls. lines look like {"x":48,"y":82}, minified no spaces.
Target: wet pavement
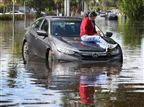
{"x":73,"y":84}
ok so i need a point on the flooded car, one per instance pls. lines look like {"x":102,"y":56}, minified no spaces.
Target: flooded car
{"x":108,"y":85}
{"x":58,"y":38}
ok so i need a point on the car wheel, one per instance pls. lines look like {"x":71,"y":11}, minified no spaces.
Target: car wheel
{"x":49,"y":58}
{"x":121,"y":55}
{"x":25,"y":51}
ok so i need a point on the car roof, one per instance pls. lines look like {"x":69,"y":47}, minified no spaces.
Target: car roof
{"x":63,"y":18}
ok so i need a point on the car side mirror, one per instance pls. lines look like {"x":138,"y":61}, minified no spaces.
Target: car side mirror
{"x":108,"y":34}
{"x":42,"y":33}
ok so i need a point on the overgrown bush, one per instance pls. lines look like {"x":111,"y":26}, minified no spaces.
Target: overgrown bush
{"x":5,"y":17}
{"x":10,"y":17}
{"x":133,"y":9}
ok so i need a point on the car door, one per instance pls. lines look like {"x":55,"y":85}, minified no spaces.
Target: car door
{"x":42,"y":40}
{"x":32,"y":39}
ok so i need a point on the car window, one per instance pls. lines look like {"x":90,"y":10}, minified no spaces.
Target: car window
{"x":66,"y":28}
{"x":45,"y":26}
{"x":37,"y":24}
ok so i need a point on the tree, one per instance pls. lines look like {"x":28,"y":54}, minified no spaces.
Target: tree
{"x":6,"y":3}
{"x":58,"y":4}
{"x":40,"y":5}
{"x":133,"y":9}
{"x":108,"y":3}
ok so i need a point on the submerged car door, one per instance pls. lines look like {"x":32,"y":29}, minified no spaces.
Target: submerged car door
{"x":33,"y":34}
{"x":42,"y":39}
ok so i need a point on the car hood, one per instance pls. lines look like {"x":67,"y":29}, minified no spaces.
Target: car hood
{"x":81,"y":46}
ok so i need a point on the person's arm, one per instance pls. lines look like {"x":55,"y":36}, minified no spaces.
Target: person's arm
{"x":97,"y":30}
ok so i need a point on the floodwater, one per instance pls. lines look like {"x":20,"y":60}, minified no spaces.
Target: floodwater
{"x":73,"y":84}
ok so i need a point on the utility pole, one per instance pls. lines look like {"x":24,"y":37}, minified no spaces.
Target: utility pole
{"x":84,"y":5}
{"x":13,"y":29}
{"x":13,"y":11}
{"x":24,"y":15}
{"x":67,"y":7}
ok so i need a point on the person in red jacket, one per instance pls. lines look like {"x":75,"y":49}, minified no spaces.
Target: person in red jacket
{"x":88,"y":32}
{"x":88,"y":25}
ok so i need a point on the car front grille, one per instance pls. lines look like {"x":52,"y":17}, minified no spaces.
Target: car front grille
{"x":99,"y":56}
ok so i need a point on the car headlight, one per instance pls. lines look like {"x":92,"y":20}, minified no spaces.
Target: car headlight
{"x":115,"y":51}
{"x":65,"y":50}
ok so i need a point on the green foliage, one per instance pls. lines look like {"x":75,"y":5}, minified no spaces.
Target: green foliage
{"x":109,"y":3}
{"x":132,"y":32}
{"x":9,"y":17}
{"x":133,"y":9}
{"x":40,"y":5}
{"x":5,"y":17}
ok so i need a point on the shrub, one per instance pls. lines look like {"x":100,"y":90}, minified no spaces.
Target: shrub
{"x":10,"y":17}
{"x":5,"y":17}
{"x":133,"y":9}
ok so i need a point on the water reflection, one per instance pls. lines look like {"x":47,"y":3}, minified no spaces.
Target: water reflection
{"x":133,"y":33}
{"x":107,"y":25}
{"x":12,"y":74}
{"x":78,"y":82}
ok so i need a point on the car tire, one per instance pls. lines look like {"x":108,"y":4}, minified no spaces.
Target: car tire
{"x":49,"y":59}
{"x":121,"y":55}
{"x":25,"y":52}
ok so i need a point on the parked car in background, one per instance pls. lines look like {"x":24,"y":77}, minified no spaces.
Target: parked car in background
{"x":103,"y":13}
{"x":16,"y":12}
{"x":23,"y":9}
{"x":58,"y":39}
{"x":112,"y":16}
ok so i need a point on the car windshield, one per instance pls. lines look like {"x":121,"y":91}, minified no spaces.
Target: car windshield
{"x":65,"y":28}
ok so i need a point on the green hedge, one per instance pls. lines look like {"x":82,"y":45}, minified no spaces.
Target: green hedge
{"x":10,"y":17}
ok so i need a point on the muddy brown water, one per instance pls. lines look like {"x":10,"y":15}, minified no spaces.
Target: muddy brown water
{"x":73,"y":84}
